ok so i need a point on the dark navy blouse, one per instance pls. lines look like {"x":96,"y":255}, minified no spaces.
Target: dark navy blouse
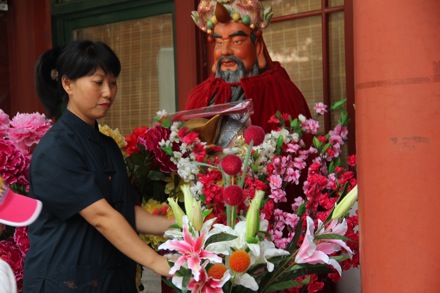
{"x":73,"y":166}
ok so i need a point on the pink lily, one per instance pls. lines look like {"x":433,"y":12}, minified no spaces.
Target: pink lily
{"x":330,"y":246}
{"x":309,"y":253}
{"x":191,"y":250}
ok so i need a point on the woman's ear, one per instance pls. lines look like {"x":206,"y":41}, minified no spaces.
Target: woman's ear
{"x":67,"y":84}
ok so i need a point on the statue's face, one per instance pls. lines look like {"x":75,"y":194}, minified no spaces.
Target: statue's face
{"x":233,"y":39}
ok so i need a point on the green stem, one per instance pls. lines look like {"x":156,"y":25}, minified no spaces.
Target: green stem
{"x":278,"y":273}
{"x":231,"y":215}
{"x":245,"y":165}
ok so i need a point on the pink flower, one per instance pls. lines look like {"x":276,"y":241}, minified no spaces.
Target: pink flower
{"x":320,"y":108}
{"x":4,"y":124}
{"x":27,"y":130}
{"x":310,"y":126}
{"x":13,"y":164}
{"x":10,"y":253}
{"x":278,"y":195}
{"x":191,"y":249}
{"x":21,"y":239}
{"x":330,"y":246}
{"x":275,"y":181}
{"x":309,"y":253}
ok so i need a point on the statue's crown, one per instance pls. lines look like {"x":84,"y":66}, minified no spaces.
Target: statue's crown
{"x":248,"y":12}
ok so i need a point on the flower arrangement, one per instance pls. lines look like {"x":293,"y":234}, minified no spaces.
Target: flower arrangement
{"x":18,"y":138}
{"x":268,"y":213}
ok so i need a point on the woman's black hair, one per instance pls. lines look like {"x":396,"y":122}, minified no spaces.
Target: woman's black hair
{"x":77,"y":59}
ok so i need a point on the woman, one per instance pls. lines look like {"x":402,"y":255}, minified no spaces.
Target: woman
{"x":84,"y":239}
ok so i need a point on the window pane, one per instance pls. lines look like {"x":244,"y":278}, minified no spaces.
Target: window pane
{"x":337,"y":59}
{"x":334,"y":3}
{"x":146,"y":83}
{"x":287,"y":7}
{"x":337,"y":68}
{"x":297,"y":45}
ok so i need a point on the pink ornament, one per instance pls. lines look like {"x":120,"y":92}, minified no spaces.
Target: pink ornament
{"x":231,"y":164}
{"x":255,"y":133}
{"x":233,"y":195}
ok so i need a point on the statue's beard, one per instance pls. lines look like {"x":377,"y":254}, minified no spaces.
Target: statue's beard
{"x":234,"y":75}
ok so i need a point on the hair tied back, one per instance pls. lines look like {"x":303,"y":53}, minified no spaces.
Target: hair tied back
{"x":54,"y":74}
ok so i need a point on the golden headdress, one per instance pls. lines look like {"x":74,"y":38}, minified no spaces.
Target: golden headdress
{"x":249,"y":12}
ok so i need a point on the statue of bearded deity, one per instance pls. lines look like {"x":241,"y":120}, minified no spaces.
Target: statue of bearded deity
{"x":243,"y":68}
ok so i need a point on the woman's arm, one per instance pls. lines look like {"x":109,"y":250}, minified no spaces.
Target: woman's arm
{"x":150,"y":224}
{"x":118,"y":231}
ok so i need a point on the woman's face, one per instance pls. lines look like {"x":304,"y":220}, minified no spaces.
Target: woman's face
{"x":90,"y":97}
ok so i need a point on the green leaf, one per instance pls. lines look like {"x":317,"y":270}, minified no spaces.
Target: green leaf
{"x":168,"y":150}
{"x":344,"y":119}
{"x":316,"y":143}
{"x":294,"y":243}
{"x":280,"y":140}
{"x":338,"y":105}
{"x":287,"y":284}
{"x":331,"y":168}
{"x":325,"y":148}
{"x":295,"y":123}
{"x":205,"y":213}
{"x":307,"y":269}
{"x":332,"y":236}
{"x":166,"y":122}
{"x":280,"y":118}
{"x":340,"y":258}
{"x":245,"y":164}
{"x":219,"y":238}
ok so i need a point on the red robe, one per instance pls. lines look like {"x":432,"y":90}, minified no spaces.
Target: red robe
{"x":270,"y":91}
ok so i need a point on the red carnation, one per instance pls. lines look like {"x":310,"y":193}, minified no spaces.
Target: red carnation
{"x":231,"y":164}
{"x":255,"y":133}
{"x":233,"y":195}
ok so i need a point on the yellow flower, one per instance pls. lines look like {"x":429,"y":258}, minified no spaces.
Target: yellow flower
{"x":113,"y":133}
{"x":156,"y":208}
{"x":171,"y":188}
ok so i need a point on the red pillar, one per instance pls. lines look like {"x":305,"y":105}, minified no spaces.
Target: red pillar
{"x":397,"y":80}
{"x":29,"y":35}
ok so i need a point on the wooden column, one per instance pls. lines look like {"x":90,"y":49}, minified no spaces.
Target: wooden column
{"x":397,"y":82}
